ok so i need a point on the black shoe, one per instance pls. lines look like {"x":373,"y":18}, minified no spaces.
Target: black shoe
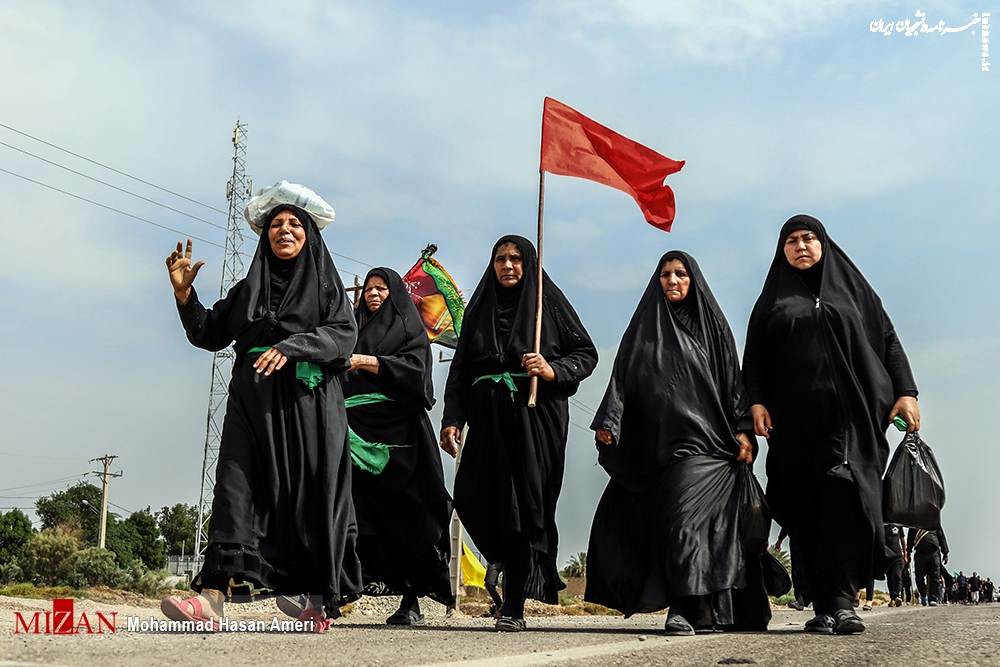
{"x":677,"y":626}
{"x":847,"y":622}
{"x":796,"y":604}
{"x":405,"y":617}
{"x":821,"y":624}
{"x":508,"y":624}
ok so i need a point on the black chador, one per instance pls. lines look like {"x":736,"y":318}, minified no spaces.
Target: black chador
{"x":512,"y":463}
{"x":403,"y":509}
{"x":282,"y":518}
{"x":666,"y":529}
{"x":823,"y":358}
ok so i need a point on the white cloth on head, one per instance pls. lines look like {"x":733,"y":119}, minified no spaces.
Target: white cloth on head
{"x":287,"y":194}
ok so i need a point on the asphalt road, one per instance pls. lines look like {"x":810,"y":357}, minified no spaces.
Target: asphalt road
{"x":911,"y":636}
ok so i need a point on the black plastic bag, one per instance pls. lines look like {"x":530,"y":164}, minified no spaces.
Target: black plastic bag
{"x":777,"y":581}
{"x":913,"y":487}
{"x":755,"y":515}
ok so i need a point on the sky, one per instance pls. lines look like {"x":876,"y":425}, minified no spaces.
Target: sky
{"x":420,"y":122}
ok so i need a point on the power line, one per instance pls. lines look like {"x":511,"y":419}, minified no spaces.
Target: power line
{"x":128,"y":192}
{"x":155,"y":224}
{"x":117,"y":171}
{"x":114,"y":187}
{"x":120,"y":507}
{"x":583,"y":406}
{"x":38,"y":456}
{"x":370,"y":266}
{"x":111,"y":208}
{"x":130,"y":215}
{"x":45,"y":483}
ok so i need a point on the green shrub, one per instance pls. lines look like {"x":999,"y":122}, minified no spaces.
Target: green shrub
{"x":49,"y":558}
{"x":784,"y":599}
{"x":138,"y":579}
{"x":94,"y":567}
{"x":11,"y":573}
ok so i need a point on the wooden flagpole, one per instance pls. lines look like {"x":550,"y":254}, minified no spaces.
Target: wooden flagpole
{"x":533,"y":387}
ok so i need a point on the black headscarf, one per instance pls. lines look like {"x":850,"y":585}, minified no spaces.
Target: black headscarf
{"x":394,"y":329}
{"x":828,"y":367}
{"x":498,"y":328}
{"x":280,"y":298}
{"x":675,"y":389}
{"x":494,"y":308}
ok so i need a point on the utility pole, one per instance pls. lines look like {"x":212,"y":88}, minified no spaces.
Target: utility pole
{"x":105,"y":477}
{"x":238,"y":191}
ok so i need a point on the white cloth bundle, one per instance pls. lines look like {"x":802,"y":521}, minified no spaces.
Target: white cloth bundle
{"x":287,"y":194}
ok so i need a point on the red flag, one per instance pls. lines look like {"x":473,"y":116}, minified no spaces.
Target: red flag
{"x":574,"y":145}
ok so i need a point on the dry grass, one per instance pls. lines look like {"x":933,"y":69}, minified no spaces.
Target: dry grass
{"x":569,"y":605}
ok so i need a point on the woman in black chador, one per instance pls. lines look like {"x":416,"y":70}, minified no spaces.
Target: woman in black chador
{"x":512,"y":463}
{"x":825,"y":375}
{"x":282,"y":517}
{"x":403,"y":508}
{"x":672,"y":433}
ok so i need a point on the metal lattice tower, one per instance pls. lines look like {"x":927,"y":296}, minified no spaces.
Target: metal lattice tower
{"x":238,"y":191}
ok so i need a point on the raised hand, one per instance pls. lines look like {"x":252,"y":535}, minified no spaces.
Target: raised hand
{"x":182,"y":273}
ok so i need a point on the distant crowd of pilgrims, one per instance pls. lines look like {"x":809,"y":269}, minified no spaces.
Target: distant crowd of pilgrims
{"x":329,"y":477}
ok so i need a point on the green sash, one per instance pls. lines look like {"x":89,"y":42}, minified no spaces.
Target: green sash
{"x":368,"y":456}
{"x":305,"y":371}
{"x":507,"y":378}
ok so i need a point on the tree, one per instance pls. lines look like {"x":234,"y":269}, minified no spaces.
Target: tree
{"x":148,"y":546}
{"x":177,"y":525}
{"x":15,"y":532}
{"x":577,"y":566}
{"x":67,"y":507}
{"x":782,"y":557}
{"x":121,"y":538}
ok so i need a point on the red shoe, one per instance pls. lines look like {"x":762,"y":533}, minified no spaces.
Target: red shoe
{"x":177,"y":610}
{"x":320,"y":623}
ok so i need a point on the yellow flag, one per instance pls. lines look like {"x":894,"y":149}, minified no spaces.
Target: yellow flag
{"x":473,"y":572}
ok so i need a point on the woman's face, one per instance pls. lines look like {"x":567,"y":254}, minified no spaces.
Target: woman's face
{"x":675,"y":280}
{"x":508,"y":264}
{"x":803,"y":249}
{"x":376,"y":292}
{"x":287,"y":235}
